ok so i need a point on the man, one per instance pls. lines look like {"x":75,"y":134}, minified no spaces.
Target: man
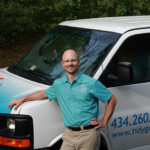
{"x":77,"y":95}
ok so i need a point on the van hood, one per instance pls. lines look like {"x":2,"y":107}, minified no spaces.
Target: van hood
{"x":13,"y":87}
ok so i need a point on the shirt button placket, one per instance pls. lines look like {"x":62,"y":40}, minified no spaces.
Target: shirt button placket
{"x":72,"y":101}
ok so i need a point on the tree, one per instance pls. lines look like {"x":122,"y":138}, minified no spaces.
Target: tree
{"x":22,"y":20}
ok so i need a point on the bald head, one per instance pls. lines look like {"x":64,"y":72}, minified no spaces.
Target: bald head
{"x":70,"y":52}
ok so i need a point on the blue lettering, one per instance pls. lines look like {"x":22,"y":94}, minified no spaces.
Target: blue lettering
{"x":134,"y":120}
{"x":134,"y":131}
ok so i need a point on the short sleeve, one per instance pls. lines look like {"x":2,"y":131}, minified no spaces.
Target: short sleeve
{"x":50,"y":93}
{"x":101,"y":92}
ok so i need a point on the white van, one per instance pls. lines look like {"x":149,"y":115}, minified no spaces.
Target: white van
{"x":114,"y":50}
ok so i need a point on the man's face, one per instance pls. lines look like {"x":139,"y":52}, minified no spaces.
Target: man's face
{"x":70,"y":62}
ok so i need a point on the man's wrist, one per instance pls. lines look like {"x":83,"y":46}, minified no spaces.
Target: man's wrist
{"x":24,"y":99}
{"x":104,"y":122}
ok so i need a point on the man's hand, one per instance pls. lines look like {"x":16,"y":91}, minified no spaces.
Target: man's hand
{"x":16,"y":102}
{"x":98,"y":124}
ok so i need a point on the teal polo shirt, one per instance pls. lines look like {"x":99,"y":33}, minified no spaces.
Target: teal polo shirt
{"x":78,"y":100}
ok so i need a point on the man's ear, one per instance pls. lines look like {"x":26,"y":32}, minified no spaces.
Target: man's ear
{"x":79,"y":62}
{"x":62,"y":63}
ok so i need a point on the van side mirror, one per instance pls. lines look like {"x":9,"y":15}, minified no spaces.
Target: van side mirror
{"x":122,"y":75}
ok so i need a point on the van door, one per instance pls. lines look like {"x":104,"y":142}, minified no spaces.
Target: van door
{"x":129,"y":126}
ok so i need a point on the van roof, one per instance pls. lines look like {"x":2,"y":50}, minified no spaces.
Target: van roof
{"x":111,"y":24}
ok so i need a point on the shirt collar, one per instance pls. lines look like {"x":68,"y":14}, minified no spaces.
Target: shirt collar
{"x":77,"y":79}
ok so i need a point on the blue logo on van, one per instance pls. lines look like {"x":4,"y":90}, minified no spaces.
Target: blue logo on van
{"x":2,"y":83}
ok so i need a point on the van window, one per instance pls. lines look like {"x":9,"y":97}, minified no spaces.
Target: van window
{"x":43,"y":62}
{"x":136,"y":50}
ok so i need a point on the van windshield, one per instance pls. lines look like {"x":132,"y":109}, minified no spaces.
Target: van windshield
{"x":44,"y":59}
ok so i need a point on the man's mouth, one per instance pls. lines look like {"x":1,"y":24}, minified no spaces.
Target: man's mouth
{"x":71,"y":67}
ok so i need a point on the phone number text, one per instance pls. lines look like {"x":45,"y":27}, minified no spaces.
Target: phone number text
{"x":135,"y":119}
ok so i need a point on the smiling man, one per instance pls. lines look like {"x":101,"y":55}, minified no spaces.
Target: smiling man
{"x":71,"y":62}
{"x":77,"y":95}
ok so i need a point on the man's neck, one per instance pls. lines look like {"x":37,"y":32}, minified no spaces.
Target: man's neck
{"x":71,"y":77}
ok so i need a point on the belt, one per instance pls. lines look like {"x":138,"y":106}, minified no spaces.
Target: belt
{"x":76,"y":128}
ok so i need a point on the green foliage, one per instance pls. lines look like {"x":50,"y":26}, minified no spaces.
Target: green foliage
{"x":23,"y":20}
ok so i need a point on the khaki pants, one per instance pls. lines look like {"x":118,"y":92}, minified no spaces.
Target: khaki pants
{"x":81,"y":140}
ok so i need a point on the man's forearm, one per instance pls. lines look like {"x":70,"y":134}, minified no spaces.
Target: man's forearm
{"x":108,"y":113}
{"x":109,"y":109}
{"x":40,"y":95}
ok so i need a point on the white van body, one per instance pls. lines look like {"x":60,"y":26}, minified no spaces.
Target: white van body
{"x":124,"y":68}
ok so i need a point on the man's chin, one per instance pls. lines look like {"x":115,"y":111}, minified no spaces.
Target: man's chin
{"x":72,"y":72}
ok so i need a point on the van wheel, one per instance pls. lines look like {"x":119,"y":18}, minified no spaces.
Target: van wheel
{"x":103,"y":144}
{"x":56,"y":146}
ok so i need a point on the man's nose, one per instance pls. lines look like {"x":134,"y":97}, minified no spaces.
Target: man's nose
{"x":70,"y":62}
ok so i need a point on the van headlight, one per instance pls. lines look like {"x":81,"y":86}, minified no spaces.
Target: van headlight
{"x":11,"y":124}
{"x":16,"y":131}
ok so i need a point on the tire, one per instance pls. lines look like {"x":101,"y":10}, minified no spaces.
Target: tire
{"x":56,"y":146}
{"x":103,"y":144}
